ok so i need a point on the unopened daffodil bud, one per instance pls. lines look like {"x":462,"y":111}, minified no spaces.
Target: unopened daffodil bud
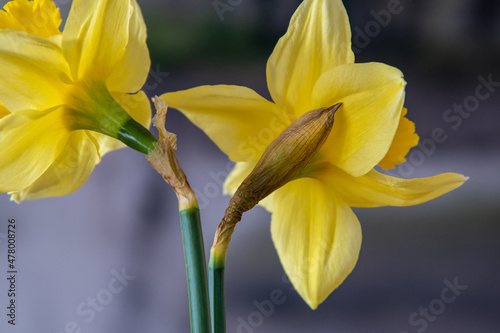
{"x":281,"y":162}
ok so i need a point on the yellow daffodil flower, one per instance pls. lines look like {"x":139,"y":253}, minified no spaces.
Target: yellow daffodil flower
{"x":315,"y":232}
{"x":66,"y":97}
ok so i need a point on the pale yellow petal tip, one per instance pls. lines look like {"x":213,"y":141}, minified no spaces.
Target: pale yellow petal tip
{"x":457,"y":178}
{"x":450,"y":182}
{"x":313,"y":300}
{"x":227,"y":190}
{"x":15,"y":196}
{"x":312,"y":305}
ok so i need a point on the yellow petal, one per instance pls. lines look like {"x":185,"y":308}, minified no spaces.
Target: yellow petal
{"x":240,"y":171}
{"x":364,"y":128}
{"x":131,"y":72}
{"x":35,"y":74}
{"x":95,"y":37}
{"x":237,"y":119}
{"x":403,"y":141}
{"x":67,"y":173}
{"x":317,"y":40}
{"x":38,"y":17}
{"x":317,"y":237}
{"x":376,"y":189}
{"x":138,"y":106}
{"x":104,"y":142}
{"x":30,"y":141}
{"x":3,"y":111}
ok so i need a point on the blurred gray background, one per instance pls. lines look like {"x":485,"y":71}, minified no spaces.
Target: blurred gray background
{"x":124,"y":221}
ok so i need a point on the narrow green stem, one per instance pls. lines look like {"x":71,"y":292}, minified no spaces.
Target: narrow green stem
{"x":137,"y":137}
{"x":194,"y":252}
{"x":216,"y":283}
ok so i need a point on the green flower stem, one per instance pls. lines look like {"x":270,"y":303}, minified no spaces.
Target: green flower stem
{"x":216,"y":283}
{"x":194,"y":252}
{"x":137,"y":137}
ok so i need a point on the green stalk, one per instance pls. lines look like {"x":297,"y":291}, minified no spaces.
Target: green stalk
{"x":137,"y":137}
{"x":216,"y":283}
{"x":162,"y":159}
{"x":194,"y":252}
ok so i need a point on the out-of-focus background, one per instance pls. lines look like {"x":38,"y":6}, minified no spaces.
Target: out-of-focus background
{"x":108,"y":258}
